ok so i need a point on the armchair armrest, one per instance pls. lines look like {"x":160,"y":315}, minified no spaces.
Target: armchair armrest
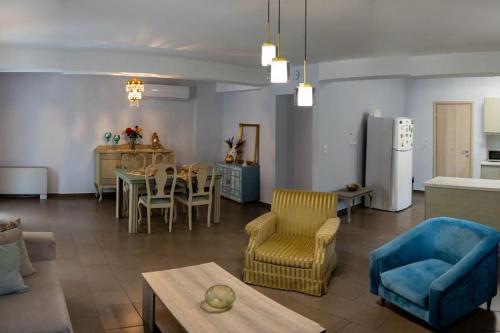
{"x":465,"y":265}
{"x":474,"y":276}
{"x":326,"y":234}
{"x":41,"y":246}
{"x":415,"y":245}
{"x":324,"y":248}
{"x":259,"y":230}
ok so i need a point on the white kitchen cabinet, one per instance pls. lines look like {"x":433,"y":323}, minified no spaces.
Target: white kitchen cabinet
{"x":490,"y":170}
{"x":491,"y":121}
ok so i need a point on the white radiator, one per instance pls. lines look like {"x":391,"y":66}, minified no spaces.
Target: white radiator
{"x":24,"y":181}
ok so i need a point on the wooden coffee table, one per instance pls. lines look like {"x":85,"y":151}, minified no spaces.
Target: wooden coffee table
{"x":181,"y":290}
{"x":350,"y":196}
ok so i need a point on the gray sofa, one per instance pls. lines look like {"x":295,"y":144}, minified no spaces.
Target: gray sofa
{"x":42,"y":309}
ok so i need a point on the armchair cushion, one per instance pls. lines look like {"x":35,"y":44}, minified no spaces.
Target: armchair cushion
{"x":414,"y":280}
{"x":287,"y":250}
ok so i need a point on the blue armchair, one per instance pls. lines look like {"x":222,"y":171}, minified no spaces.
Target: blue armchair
{"x":438,"y":271}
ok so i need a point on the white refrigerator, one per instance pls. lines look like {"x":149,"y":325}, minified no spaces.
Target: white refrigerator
{"x":389,"y":160}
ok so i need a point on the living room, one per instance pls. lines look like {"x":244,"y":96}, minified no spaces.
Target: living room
{"x":112,"y":114}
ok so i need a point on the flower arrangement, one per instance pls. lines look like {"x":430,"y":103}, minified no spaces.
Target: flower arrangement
{"x":133,"y":133}
{"x":234,"y":148}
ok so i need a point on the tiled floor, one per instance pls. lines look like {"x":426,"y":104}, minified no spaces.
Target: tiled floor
{"x":99,"y":264}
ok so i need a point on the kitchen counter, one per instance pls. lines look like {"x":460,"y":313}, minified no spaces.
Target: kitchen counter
{"x":489,"y":163}
{"x":475,"y":184}
{"x":471,"y":199}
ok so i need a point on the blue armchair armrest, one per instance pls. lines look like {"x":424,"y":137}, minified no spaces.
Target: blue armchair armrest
{"x":477,"y":268}
{"x":410,"y":247}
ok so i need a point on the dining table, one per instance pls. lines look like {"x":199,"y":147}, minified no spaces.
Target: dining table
{"x":135,"y":180}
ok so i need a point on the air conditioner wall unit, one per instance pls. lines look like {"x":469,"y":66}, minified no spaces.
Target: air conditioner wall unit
{"x":167,"y":92}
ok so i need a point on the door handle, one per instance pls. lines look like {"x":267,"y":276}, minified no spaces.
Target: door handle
{"x":465,"y":152}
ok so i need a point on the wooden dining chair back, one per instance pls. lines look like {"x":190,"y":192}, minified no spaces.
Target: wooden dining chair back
{"x":164,"y":176}
{"x":201,"y":177}
{"x":161,"y":195}
{"x":200,"y":184}
{"x":133,"y":161}
{"x":163,"y":158}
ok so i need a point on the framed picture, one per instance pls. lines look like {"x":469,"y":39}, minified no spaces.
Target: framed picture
{"x":250,"y":133}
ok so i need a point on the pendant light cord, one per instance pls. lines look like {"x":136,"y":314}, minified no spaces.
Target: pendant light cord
{"x":305,"y":41}
{"x":305,"y":31}
{"x":279,"y":28}
{"x":268,"y":21}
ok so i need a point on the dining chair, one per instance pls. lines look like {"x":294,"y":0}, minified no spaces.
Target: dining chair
{"x":131,"y":162}
{"x":200,"y":184}
{"x":163,"y":158}
{"x":162,"y":195}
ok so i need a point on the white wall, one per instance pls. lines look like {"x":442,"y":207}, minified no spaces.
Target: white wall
{"x":341,"y":126}
{"x":57,"y":120}
{"x":283,"y":106}
{"x":294,"y":142}
{"x":259,"y":106}
{"x":208,"y":123}
{"x":255,"y":107}
{"x":420,"y":96}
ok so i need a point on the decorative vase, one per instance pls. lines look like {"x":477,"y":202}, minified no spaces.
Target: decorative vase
{"x":229,"y":158}
{"x":218,"y":298}
{"x":239,"y":157}
{"x":132,"y":143}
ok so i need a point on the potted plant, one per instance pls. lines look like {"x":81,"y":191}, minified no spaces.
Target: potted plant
{"x":238,"y":148}
{"x":133,"y":133}
{"x":229,"y":155}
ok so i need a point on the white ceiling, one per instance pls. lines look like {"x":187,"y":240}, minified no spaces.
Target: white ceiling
{"x":231,"y":31}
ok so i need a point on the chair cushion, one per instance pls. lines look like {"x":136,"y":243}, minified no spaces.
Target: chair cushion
{"x":414,"y":280}
{"x":287,"y":250}
{"x":155,"y":201}
{"x":41,"y":309}
{"x":185,"y":197}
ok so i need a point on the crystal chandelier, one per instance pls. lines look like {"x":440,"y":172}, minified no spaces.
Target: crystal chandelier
{"x":134,"y":88}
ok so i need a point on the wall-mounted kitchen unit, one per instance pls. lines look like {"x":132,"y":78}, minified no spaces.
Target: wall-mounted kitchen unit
{"x":491,"y":119}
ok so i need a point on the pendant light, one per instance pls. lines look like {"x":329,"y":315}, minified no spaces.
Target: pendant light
{"x":304,"y":93}
{"x":268,"y":48}
{"x":280,"y":67}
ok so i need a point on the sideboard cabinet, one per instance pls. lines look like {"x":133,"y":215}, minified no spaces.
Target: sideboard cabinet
{"x":240,"y":183}
{"x":108,"y":159}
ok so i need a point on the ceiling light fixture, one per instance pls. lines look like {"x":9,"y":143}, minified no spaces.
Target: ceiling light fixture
{"x":304,"y":93}
{"x":268,"y":48}
{"x":280,"y":67}
{"x":134,"y":88}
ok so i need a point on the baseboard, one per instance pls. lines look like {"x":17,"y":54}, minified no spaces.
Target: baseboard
{"x":72,"y":195}
{"x":265,"y":204}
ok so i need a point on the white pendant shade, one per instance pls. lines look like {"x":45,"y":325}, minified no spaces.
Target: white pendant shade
{"x":268,"y":54}
{"x":305,"y":94}
{"x":280,"y":70}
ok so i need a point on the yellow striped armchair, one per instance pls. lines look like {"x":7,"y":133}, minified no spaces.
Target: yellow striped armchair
{"x":293,"y":246}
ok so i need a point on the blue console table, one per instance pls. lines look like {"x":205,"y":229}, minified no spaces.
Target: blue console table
{"x":240,"y":183}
